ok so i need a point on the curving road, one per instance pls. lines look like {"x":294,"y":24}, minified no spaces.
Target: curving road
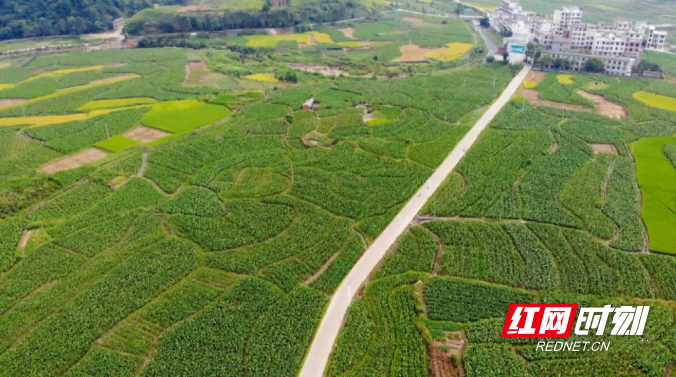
{"x":322,"y":344}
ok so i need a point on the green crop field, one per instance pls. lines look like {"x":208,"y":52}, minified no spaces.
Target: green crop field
{"x":536,"y":212}
{"x":149,"y":227}
{"x":656,"y":177}
{"x":164,"y":212}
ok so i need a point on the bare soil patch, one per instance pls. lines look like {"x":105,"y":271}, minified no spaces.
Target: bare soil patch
{"x":412,"y":53}
{"x":605,"y":107}
{"x":420,"y":23}
{"x":11,"y":102}
{"x":74,"y":161}
{"x":535,"y":97}
{"x":348,"y":32}
{"x":25,"y":237}
{"x":145,"y":134}
{"x":536,"y":76}
{"x":671,"y":80}
{"x":603,"y":148}
{"x":441,"y":364}
{"x":313,"y":41}
{"x":553,"y":148}
{"x":322,"y":69}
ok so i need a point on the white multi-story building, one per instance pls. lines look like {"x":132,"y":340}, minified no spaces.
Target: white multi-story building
{"x":656,"y":39}
{"x":565,"y":17}
{"x":507,"y":15}
{"x":618,"y":66}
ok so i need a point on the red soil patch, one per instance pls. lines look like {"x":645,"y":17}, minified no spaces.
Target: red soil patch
{"x":535,"y":97}
{"x":348,"y":32}
{"x":145,"y":134}
{"x":10,"y":102}
{"x":74,"y":161}
{"x":603,"y":148}
{"x":605,"y":107}
{"x":412,"y":53}
{"x":536,"y":76}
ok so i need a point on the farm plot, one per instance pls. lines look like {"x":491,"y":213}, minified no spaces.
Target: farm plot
{"x":216,"y":252}
{"x":179,"y":117}
{"x":656,"y":175}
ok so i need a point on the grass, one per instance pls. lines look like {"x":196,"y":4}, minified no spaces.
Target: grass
{"x":273,"y":40}
{"x":117,"y":144}
{"x":261,"y":77}
{"x":351,"y":44}
{"x":565,"y":79}
{"x":47,"y":120}
{"x":180,"y":117}
{"x":451,"y":52}
{"x":597,"y":85}
{"x":656,"y":178}
{"x":73,"y":90}
{"x":485,"y":7}
{"x":62,"y":72}
{"x":656,"y":100}
{"x":112,"y":103}
{"x":530,"y":84}
{"x":378,"y":122}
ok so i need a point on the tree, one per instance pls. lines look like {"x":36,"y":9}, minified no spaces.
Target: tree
{"x":505,"y":57}
{"x":490,"y":59}
{"x":546,"y":61}
{"x":594,"y":65}
{"x":485,"y":22}
{"x":267,"y":6}
{"x":647,"y":66}
{"x":460,"y":9}
{"x":537,"y":56}
{"x":558,"y":63}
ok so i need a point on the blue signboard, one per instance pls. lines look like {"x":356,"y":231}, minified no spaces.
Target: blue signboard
{"x":518,"y":49}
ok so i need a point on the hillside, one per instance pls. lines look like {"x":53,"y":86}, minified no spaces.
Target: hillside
{"x":39,"y":18}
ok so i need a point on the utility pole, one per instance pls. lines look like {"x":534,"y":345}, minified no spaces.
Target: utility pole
{"x":107,"y":133}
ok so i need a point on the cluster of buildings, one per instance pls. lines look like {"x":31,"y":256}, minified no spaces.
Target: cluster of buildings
{"x":565,"y":36}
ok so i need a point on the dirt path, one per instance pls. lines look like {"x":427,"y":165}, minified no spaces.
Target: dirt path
{"x":604,"y":107}
{"x":322,"y":269}
{"x":348,"y":32}
{"x":535,"y":97}
{"x":25,"y":237}
{"x":329,"y":328}
{"x":144,"y":164}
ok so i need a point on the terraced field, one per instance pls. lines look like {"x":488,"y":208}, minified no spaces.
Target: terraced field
{"x":172,"y":229}
{"x":549,"y":206}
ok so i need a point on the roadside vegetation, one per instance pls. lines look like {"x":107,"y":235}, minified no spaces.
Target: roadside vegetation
{"x":558,"y":202}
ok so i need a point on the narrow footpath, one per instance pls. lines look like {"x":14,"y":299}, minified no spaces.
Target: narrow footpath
{"x":325,"y":337}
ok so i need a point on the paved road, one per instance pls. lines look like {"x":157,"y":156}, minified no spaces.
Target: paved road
{"x":492,"y":46}
{"x":326,"y":335}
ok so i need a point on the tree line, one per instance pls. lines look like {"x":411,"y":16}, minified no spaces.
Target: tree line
{"x":41,"y":18}
{"x":171,"y":22}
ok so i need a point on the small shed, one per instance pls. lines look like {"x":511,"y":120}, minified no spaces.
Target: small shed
{"x":307,"y":106}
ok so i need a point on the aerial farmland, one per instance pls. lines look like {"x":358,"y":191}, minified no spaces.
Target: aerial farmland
{"x":212,"y":204}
